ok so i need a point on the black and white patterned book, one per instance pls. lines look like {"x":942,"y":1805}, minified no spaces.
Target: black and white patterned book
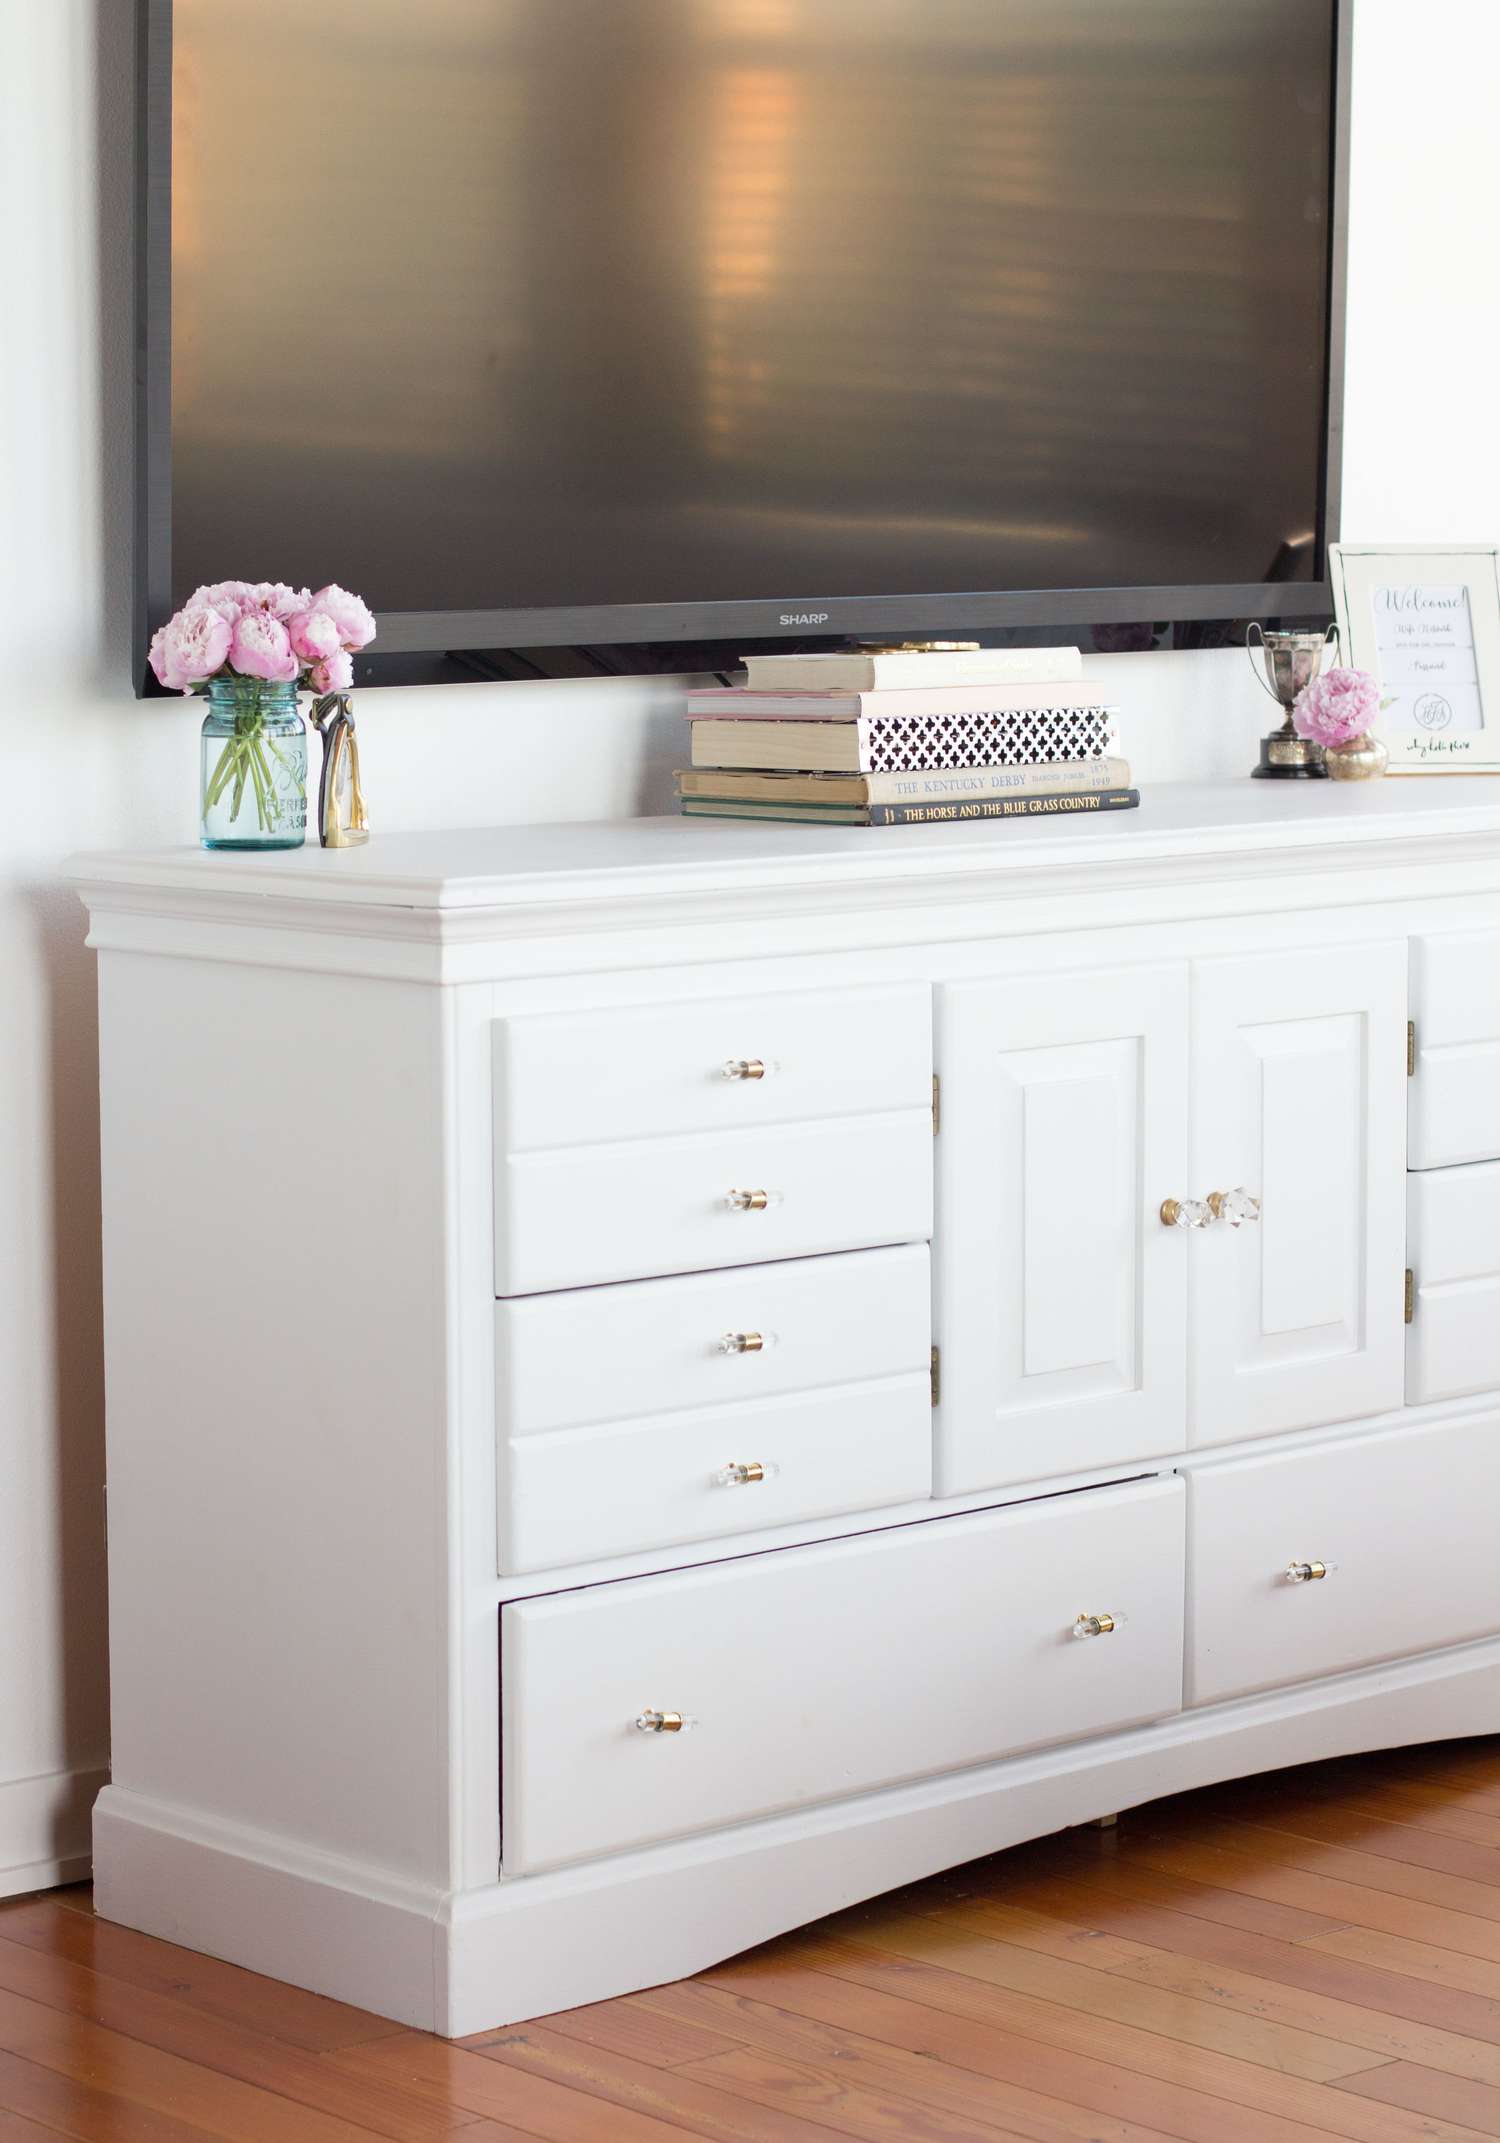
{"x":883,"y":742}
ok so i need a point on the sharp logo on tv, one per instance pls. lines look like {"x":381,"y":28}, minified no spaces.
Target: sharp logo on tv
{"x":804,"y":617}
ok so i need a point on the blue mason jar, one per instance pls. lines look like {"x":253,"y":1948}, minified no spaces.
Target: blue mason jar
{"x":253,"y":766}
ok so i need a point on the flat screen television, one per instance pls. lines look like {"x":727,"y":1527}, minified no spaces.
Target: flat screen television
{"x":631,"y":334}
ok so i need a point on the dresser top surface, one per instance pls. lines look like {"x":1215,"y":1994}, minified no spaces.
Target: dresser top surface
{"x":518,"y":867}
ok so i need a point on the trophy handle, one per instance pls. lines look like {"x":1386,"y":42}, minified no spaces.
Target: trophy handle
{"x":1331,"y":638}
{"x":1258,"y":673}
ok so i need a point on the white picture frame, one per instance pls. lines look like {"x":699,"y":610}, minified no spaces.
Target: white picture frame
{"x":1424,"y":620}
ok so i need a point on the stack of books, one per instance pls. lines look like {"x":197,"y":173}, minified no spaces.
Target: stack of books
{"x":905,"y":739}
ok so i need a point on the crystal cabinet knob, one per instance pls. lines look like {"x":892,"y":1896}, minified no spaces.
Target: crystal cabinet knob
{"x":1304,"y":1573}
{"x":1185,"y":1213}
{"x":1235,"y":1207}
{"x":751,"y":1201}
{"x":1093,"y":1625}
{"x":742,"y":1343}
{"x":742,"y":1473}
{"x":663,"y":1722}
{"x":744,"y":1068}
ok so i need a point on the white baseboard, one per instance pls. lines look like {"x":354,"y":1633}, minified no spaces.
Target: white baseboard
{"x":44,"y":1829}
{"x":526,"y":1947}
{"x":269,"y":1904}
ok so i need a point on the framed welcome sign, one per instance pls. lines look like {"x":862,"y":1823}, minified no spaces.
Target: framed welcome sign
{"x":1426,"y":624}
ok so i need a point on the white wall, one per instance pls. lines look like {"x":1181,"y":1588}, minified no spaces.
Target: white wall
{"x":83,"y":765}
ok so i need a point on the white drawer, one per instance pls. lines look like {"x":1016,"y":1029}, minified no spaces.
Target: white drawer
{"x":819,"y":1672}
{"x":619,"y":1406}
{"x":1453,"y":1102}
{"x":651,"y":1071}
{"x":577,"y":1494}
{"x":1404,"y":1523}
{"x":1453,"y":1248}
{"x":566,"y":1361}
{"x":574,"y":1217}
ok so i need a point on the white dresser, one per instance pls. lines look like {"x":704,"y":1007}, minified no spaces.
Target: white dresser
{"x":665,"y":1377}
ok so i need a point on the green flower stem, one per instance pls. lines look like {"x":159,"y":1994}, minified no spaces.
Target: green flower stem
{"x":243,"y":761}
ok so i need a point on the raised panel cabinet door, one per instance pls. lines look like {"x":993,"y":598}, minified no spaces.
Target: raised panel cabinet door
{"x":1060,"y":1296}
{"x":1299,"y":1099}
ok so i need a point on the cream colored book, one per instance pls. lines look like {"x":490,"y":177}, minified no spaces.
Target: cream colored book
{"x":948,"y":666}
{"x":755,"y":786}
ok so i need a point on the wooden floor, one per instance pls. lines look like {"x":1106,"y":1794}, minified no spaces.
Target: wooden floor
{"x":1308,"y":1955}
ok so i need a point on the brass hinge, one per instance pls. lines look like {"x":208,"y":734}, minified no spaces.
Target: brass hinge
{"x":1411,"y":1049}
{"x":937,"y":1104}
{"x":1411,"y":1294}
{"x":937,"y":1376}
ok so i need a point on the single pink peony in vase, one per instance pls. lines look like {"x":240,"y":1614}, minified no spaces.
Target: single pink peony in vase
{"x":1336,"y":707}
{"x":260,"y":648}
{"x":276,"y":598}
{"x":190,"y":647}
{"x":314,"y":635}
{"x":335,"y":673}
{"x":354,"y":619}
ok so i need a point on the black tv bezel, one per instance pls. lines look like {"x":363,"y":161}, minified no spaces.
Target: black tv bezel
{"x":427,"y":646}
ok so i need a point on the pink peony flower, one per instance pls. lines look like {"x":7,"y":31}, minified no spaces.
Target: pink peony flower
{"x":228,"y":597}
{"x":353,"y":618}
{"x":314,"y":635}
{"x":335,"y":673}
{"x":275,"y":598}
{"x":190,"y":647}
{"x":1336,"y":706}
{"x":260,"y":648}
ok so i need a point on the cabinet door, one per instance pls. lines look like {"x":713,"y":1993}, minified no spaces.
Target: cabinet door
{"x":1299,"y":1095}
{"x":1060,"y":1296}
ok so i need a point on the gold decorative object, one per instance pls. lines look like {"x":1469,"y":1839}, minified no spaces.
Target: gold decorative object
{"x":1292,"y":660}
{"x":1093,"y":1625}
{"x":749,"y":1201}
{"x":341,"y":800}
{"x":741,"y":1473}
{"x":660,"y":1722}
{"x":1303,"y":1573}
{"x":742,"y":1343}
{"x":744,"y":1068}
{"x":1361,"y":759}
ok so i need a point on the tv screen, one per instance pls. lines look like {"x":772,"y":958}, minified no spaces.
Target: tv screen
{"x":778,"y":316}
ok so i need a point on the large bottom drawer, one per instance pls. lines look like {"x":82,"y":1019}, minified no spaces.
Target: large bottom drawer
{"x":1402,"y":1525}
{"x":813,"y":1673}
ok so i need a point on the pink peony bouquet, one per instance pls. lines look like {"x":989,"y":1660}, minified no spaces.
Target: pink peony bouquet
{"x":263,"y":629}
{"x":1339,"y":705}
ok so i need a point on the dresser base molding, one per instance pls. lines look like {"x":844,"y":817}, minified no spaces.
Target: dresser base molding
{"x":497,"y":1956}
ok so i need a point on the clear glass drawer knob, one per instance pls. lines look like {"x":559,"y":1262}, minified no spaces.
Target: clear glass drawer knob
{"x":745,"y":1068}
{"x":742,"y":1343}
{"x":1304,"y":1573}
{"x":1093,"y":1625}
{"x":751,"y":1201}
{"x":1234,"y":1207}
{"x":1185,"y":1213}
{"x":651,"y":1721}
{"x":743,"y":1473}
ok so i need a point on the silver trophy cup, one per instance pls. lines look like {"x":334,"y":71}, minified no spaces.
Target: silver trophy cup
{"x":1292,"y":660}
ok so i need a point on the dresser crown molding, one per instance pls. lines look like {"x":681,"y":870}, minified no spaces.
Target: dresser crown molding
{"x":450,"y":906}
